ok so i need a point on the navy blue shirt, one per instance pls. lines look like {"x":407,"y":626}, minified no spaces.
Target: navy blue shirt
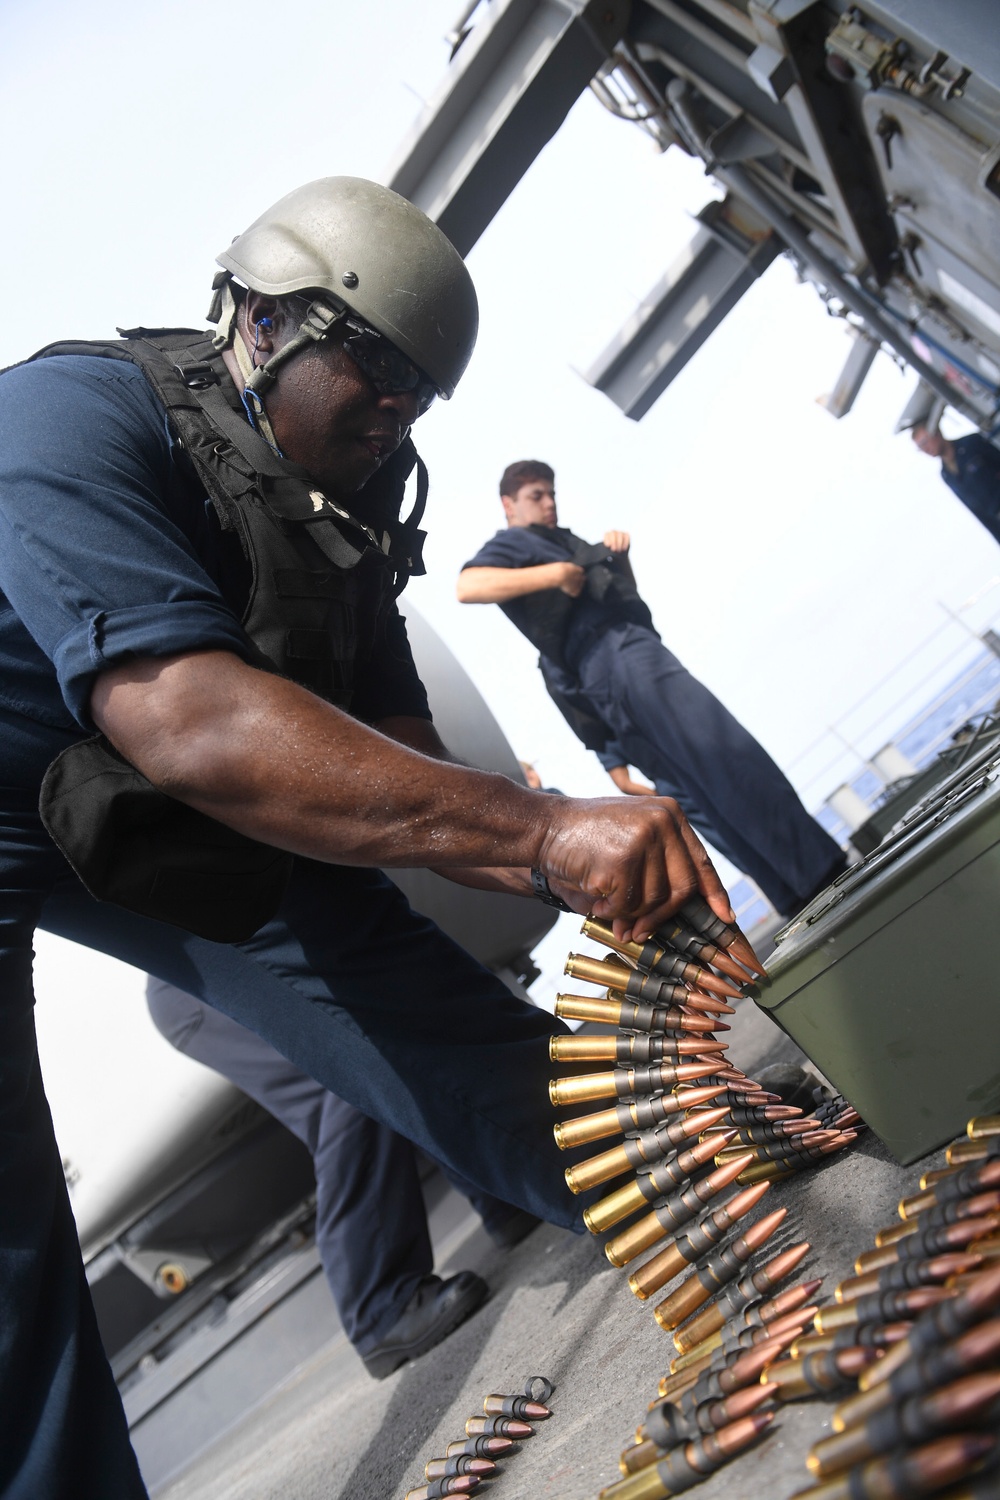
{"x":109,"y":549}
{"x":530,"y":546}
{"x":977,"y":483}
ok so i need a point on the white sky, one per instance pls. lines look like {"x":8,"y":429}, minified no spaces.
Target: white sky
{"x":790,"y":560}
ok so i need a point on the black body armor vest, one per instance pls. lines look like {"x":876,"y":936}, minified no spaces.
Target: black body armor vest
{"x":321,"y":578}
{"x":545,"y":617}
{"x":316,"y":589}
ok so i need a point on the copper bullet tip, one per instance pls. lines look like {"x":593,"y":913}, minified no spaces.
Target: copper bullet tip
{"x":710,"y":1004}
{"x":742,"y":1403}
{"x":746,"y":1199}
{"x":715,"y":984}
{"x":785,"y":1261}
{"x":740,"y":1434}
{"x":764,"y":1228}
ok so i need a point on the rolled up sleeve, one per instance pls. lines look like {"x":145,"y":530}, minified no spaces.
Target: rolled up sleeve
{"x":99,"y":535}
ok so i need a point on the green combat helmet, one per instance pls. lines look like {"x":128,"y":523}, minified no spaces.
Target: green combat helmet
{"x":375,"y":256}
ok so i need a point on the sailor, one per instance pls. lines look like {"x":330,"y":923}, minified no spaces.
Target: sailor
{"x":577,"y":602}
{"x":970,"y":467}
{"x":200,"y":547}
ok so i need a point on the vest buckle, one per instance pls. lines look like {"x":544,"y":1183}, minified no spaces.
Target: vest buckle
{"x":197,"y":375}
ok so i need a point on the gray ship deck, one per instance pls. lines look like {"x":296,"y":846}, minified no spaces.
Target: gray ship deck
{"x":329,"y":1432}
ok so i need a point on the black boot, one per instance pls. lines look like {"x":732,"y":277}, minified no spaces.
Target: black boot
{"x":436,"y":1309}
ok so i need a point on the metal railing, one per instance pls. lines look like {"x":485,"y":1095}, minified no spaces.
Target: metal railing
{"x":902,"y":721}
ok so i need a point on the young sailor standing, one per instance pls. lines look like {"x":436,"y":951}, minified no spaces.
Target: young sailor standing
{"x":619,"y":686}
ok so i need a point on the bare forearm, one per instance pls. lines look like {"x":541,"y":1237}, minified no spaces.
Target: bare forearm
{"x":420,"y":734}
{"x":497,"y":585}
{"x":271,"y":760}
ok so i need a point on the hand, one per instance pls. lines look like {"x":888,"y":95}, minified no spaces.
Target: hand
{"x":633,"y":863}
{"x":623,"y":781}
{"x":572,"y":579}
{"x":617,"y":541}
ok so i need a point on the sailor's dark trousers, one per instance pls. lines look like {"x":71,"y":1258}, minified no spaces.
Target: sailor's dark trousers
{"x":351,"y":986}
{"x":371,"y":1223}
{"x":680,"y":736}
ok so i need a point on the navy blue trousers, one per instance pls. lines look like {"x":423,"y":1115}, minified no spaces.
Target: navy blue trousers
{"x":351,"y":986}
{"x":371,"y":1223}
{"x":681,"y":737}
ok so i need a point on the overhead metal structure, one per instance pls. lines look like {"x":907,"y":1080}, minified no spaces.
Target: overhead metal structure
{"x":513,"y":79}
{"x":864,"y":141}
{"x":731,"y":249}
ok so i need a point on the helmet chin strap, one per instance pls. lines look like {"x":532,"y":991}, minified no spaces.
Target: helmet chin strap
{"x":319,"y":320}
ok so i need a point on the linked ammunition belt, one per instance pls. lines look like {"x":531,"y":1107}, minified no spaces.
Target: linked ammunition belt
{"x":686,"y":1124}
{"x":505,"y":1422}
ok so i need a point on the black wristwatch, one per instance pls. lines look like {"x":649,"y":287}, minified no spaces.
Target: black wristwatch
{"x":544,"y":892}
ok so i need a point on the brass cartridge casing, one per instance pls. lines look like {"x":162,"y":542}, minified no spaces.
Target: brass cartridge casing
{"x":910,"y":1208}
{"x":646,"y":1485}
{"x":457,"y":1484}
{"x":674,"y":1387}
{"x":764,"y":1171}
{"x":741,"y":1148}
{"x":597,"y":970}
{"x":586,"y":1129}
{"x":603,"y":932}
{"x":961,"y":1152}
{"x":615,"y":1207}
{"x":982,"y":1127}
{"x":929,"y":1179}
{"x":892,"y":1234}
{"x":657,"y":1272}
{"x":587,"y":1008}
{"x":583,"y":1049}
{"x":597,"y":1169}
{"x":695,"y":1357}
{"x":874,"y":1260}
{"x":583,"y":1088}
{"x":639,"y":1456}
